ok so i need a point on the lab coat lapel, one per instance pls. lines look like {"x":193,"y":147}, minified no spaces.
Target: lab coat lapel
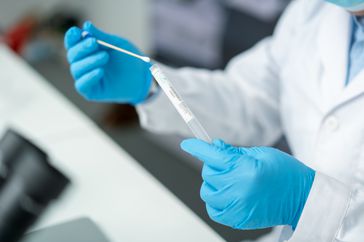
{"x":353,"y":90}
{"x":333,"y":45}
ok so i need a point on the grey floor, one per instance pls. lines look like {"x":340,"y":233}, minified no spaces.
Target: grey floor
{"x":173,"y":171}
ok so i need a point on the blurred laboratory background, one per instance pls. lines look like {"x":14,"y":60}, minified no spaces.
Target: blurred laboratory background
{"x":199,"y":33}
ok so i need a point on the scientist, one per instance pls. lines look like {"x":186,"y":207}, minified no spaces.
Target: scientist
{"x":306,"y":82}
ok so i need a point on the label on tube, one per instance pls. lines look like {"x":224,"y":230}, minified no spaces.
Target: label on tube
{"x":172,"y":94}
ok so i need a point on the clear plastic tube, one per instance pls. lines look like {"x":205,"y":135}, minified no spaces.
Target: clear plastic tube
{"x":180,"y":105}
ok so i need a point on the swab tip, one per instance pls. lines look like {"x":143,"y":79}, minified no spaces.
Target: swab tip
{"x":146,"y":59}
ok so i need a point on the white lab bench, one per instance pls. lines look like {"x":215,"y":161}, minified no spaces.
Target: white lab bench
{"x":108,"y":185}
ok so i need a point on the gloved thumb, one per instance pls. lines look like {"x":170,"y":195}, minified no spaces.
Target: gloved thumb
{"x":109,"y":38}
{"x":216,"y":155}
{"x":72,"y":37}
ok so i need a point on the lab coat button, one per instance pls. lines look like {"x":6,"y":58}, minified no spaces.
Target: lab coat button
{"x":332,"y":124}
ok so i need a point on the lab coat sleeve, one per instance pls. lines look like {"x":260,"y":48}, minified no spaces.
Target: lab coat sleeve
{"x":239,"y":104}
{"x":333,"y":212}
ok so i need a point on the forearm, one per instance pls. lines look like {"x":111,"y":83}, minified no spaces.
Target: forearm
{"x":238,"y":104}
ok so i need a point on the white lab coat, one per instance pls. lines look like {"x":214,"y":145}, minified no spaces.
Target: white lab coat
{"x":292,"y":83}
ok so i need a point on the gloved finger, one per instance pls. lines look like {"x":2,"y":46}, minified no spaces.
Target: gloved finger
{"x":97,"y":60}
{"x":109,"y":38}
{"x":216,"y":178}
{"x":229,"y":148}
{"x":94,"y":31}
{"x":229,"y":216}
{"x":97,"y":33}
{"x":226,"y":216}
{"x":89,"y":82}
{"x":218,"y":199}
{"x":72,"y":37}
{"x":82,"y":49}
{"x":212,"y":155}
{"x":221,"y":144}
{"x":214,"y":213}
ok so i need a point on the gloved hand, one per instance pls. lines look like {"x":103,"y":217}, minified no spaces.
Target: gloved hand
{"x":102,"y":74}
{"x":251,"y":188}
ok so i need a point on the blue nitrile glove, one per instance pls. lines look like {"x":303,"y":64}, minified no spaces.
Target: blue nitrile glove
{"x":103,"y":74}
{"x":251,"y":188}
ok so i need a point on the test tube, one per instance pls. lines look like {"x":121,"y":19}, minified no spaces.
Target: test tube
{"x":179,"y":104}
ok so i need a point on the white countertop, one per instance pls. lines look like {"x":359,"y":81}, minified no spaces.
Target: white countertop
{"x":109,"y":186}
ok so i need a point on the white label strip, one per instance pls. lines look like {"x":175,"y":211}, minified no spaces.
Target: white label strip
{"x":172,"y":94}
